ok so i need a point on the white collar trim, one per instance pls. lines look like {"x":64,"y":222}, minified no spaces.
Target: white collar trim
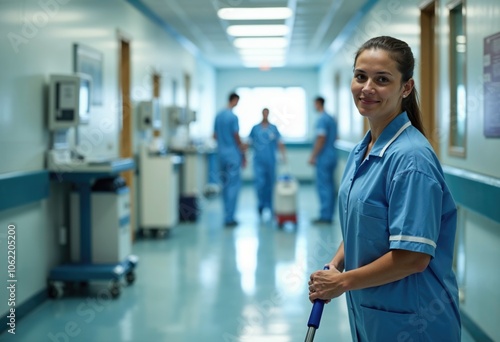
{"x":398,"y":133}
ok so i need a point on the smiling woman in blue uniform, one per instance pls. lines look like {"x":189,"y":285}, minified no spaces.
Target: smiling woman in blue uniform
{"x":265,"y":139}
{"x":397,"y":215}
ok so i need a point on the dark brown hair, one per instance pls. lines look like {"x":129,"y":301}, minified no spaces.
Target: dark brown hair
{"x":233,"y":96}
{"x":401,"y":53}
{"x":320,"y":99}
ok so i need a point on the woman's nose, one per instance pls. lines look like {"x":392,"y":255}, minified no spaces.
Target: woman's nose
{"x":368,"y":87}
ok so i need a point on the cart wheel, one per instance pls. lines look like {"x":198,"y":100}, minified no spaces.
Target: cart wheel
{"x":54,"y":291}
{"x":115,"y":290}
{"x":140,"y":233}
{"x":130,"y":277}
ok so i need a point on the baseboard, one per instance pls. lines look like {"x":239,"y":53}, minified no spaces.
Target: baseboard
{"x":473,"y":329}
{"x":23,"y":309}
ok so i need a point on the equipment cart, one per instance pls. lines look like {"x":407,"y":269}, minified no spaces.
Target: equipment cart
{"x":91,"y":263}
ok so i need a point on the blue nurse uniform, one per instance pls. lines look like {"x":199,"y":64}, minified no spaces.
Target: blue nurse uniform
{"x":397,"y":198}
{"x":326,"y":161}
{"x":264,"y":140}
{"x":225,"y":127}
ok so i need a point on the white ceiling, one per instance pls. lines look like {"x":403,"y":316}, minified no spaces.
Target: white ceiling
{"x":313,"y":27}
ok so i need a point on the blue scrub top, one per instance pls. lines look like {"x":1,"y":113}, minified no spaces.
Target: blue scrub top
{"x":397,"y":198}
{"x":264,"y":140}
{"x":327,"y":126}
{"x":225,"y":126}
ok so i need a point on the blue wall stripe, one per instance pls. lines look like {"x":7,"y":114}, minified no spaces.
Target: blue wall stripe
{"x":476,"y":192}
{"x":299,"y":145}
{"x":473,"y":329}
{"x":19,"y":188}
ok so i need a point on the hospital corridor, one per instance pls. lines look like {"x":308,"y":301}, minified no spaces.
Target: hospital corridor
{"x":206,"y":283}
{"x":249,"y":170}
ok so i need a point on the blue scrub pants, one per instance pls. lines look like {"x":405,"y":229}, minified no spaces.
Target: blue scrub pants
{"x":230,"y":171}
{"x":265,"y":176}
{"x":325,"y":186}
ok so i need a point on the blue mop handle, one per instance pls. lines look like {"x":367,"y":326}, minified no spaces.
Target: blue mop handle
{"x":317,"y":311}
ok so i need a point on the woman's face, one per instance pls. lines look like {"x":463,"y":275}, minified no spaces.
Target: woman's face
{"x":376,"y":86}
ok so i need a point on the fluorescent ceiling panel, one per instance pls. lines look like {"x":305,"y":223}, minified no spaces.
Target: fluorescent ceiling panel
{"x":274,"y":42}
{"x":257,"y":30}
{"x":255,"y":13}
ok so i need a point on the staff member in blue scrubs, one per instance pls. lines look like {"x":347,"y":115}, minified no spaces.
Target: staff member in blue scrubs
{"x":397,"y":215}
{"x":324,"y":157}
{"x":265,"y":139}
{"x":231,"y":154}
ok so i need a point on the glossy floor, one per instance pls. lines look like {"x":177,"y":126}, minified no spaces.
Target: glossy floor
{"x":208,"y":283}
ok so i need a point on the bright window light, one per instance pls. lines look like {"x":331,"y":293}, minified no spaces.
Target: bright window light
{"x":264,"y":59}
{"x":287,"y":110}
{"x":263,"y":65}
{"x":257,"y":30}
{"x":254,"y":59}
{"x":274,"y":42}
{"x":254,"y":13}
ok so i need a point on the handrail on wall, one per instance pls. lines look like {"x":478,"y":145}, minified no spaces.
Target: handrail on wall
{"x":20,"y":188}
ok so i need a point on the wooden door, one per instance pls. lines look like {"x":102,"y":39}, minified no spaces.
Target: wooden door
{"x":126,"y":143}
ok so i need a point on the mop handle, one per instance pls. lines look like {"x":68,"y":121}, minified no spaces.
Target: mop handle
{"x":317,"y":311}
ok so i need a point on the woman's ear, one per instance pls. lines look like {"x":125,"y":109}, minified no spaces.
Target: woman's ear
{"x":408,"y":87}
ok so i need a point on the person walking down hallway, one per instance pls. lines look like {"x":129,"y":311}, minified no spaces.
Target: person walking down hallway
{"x":231,"y":155}
{"x":324,"y":157}
{"x":265,"y":140}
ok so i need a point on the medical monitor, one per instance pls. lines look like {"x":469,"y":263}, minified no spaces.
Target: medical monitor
{"x":69,"y":101}
{"x":149,"y":114}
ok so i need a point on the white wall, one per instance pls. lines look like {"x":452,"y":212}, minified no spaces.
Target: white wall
{"x":37,"y":40}
{"x":401,"y":19}
{"x":203,"y":101}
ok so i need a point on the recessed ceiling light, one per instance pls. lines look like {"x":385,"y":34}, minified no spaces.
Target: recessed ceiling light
{"x":254,"y":13}
{"x":261,"y":52}
{"x":257,"y":30}
{"x":274,"y":42}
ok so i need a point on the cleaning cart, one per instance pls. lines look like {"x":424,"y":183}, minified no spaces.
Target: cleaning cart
{"x":285,"y":199}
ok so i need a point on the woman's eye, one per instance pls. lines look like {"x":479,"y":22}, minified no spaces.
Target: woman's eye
{"x":382,"y":80}
{"x":360,"y":77}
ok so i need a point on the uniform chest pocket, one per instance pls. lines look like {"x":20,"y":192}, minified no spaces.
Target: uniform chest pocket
{"x":372,"y":222}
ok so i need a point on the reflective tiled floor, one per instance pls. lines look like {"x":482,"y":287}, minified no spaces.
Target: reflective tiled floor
{"x":208,"y":283}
